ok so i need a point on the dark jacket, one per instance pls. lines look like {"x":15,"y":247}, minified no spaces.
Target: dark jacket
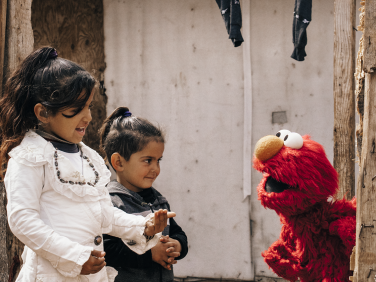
{"x":133,"y":267}
{"x":302,"y":18}
{"x":232,"y":15}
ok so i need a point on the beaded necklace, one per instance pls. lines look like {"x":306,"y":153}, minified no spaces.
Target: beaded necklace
{"x":72,"y":182}
{"x":49,"y":137}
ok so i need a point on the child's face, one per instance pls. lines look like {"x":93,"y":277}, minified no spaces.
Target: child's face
{"x":142,"y":168}
{"x":70,"y":129}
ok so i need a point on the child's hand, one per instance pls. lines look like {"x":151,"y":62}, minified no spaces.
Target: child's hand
{"x":94,"y":264}
{"x":173,"y":248}
{"x":160,"y":255}
{"x":158,"y":223}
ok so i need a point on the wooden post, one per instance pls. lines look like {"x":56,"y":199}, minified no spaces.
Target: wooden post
{"x":365,"y":258}
{"x":3,"y":24}
{"x":19,"y":42}
{"x":3,"y":216}
{"x":4,"y":267}
{"x":19,"y":34}
{"x":344,"y":102}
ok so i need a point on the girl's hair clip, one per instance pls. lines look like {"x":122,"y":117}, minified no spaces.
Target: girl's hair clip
{"x":53,"y":54}
{"x":127,"y":114}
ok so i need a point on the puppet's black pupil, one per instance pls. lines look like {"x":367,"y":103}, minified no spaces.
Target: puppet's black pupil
{"x":286,"y":137}
{"x":275,"y":186}
{"x":278,"y":134}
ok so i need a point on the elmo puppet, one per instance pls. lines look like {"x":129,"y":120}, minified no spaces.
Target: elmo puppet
{"x":318,"y":232}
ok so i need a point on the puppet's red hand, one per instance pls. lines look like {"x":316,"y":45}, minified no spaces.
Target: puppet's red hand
{"x":280,"y":260}
{"x":345,"y":228}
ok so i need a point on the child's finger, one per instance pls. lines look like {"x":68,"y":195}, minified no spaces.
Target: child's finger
{"x":171,"y":261}
{"x":158,"y":218}
{"x":164,"y":239}
{"x":171,"y":214}
{"x":98,"y":261}
{"x":174,"y":254}
{"x":169,"y":249}
{"x":165,"y":265}
{"x":97,"y":254}
{"x":97,"y":268}
{"x":163,"y":216}
{"x":170,"y":244}
{"x":163,"y":220}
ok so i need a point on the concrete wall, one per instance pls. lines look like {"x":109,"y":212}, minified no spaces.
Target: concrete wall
{"x":303,"y":89}
{"x":171,"y":62}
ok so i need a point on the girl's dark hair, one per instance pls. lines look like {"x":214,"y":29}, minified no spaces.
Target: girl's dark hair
{"x":125,"y":134}
{"x":43,"y":78}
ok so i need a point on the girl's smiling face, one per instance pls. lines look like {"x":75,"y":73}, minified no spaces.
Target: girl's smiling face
{"x":142,"y":168}
{"x":71,"y":129}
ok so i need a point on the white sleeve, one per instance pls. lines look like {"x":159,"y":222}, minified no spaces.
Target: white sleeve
{"x":130,"y":228}
{"x":24,"y":187}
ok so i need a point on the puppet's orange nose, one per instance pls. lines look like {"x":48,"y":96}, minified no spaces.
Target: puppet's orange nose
{"x":267,"y":147}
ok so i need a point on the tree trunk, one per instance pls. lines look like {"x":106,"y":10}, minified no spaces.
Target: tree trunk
{"x":3,"y":238}
{"x":3,"y":24}
{"x":3,"y":215}
{"x":344,"y":102}
{"x":18,"y":44}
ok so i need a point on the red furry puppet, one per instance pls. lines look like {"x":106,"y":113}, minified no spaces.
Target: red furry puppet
{"x":299,"y":183}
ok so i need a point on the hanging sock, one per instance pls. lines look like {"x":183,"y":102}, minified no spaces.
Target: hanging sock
{"x":302,"y":18}
{"x":232,"y":15}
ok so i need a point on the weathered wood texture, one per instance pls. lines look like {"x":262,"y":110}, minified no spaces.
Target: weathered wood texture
{"x":75,"y":29}
{"x":18,"y":44}
{"x":3,"y":24}
{"x":344,"y":102}
{"x":369,"y":64}
{"x":3,"y":232}
{"x":366,"y":189}
{"x":19,"y":37}
{"x":3,"y":216}
{"x":359,"y":79}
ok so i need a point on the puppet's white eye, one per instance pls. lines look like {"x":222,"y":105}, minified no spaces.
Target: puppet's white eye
{"x":282,"y":133}
{"x":293,"y":140}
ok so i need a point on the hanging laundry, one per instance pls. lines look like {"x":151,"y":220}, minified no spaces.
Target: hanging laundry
{"x":302,"y":18}
{"x":232,"y":15}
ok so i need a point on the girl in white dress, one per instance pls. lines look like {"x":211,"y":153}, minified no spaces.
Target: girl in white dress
{"x":58,"y":205}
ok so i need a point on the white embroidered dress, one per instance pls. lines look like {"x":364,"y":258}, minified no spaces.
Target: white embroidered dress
{"x":57,"y":221}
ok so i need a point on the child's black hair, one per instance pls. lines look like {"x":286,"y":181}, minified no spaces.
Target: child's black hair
{"x":125,"y":134}
{"x":42,"y":78}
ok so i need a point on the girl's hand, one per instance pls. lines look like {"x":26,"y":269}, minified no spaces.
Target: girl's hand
{"x":158,"y":223}
{"x":94,"y":264}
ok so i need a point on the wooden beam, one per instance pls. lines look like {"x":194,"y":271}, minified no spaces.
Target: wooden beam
{"x":369,"y":64}
{"x":365,"y":257}
{"x":3,"y":24}
{"x":3,"y":238}
{"x":19,"y":42}
{"x":344,"y":102}
{"x":19,"y":34}
{"x":3,"y":215}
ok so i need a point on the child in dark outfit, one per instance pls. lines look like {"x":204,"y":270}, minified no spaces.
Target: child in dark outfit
{"x":134,"y":148}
